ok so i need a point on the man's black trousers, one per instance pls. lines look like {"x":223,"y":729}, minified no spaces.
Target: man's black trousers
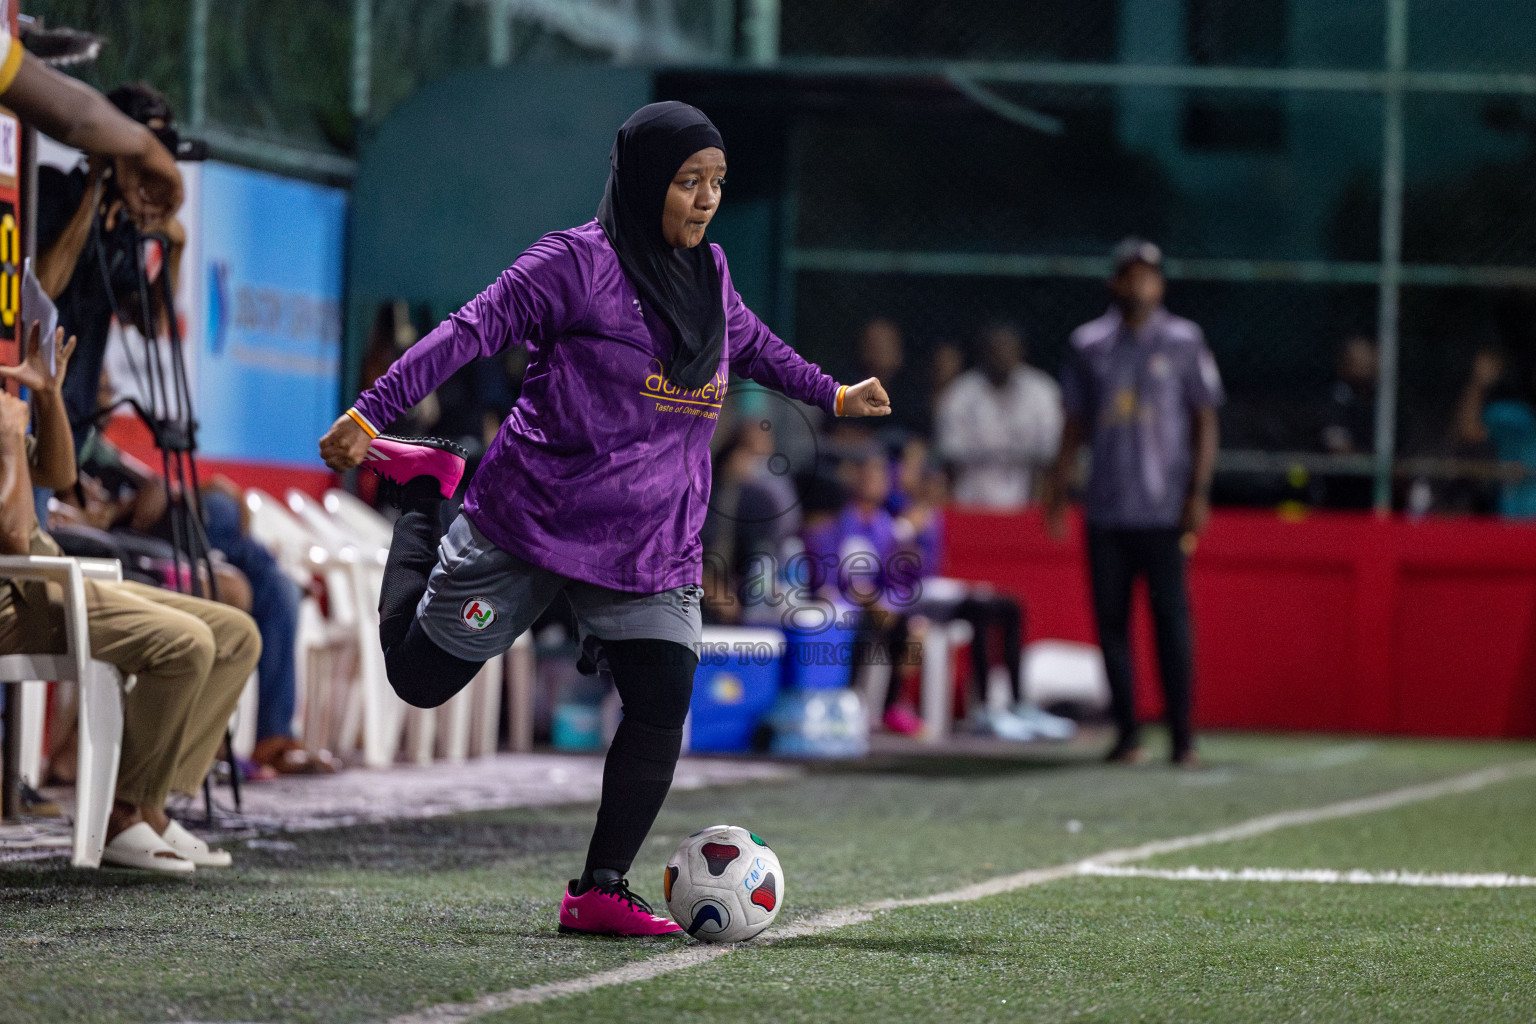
{"x":1116,"y":557}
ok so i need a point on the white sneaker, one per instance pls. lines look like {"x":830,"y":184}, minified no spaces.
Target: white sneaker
{"x":983,"y":721}
{"x":1009,"y":726}
{"x":1002,"y":723}
{"x":1043,"y":724}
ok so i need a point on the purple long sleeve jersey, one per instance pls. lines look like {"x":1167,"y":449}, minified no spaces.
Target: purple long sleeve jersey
{"x":601,"y":472}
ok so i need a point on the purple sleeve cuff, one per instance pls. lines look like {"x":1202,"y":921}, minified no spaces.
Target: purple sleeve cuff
{"x":367,"y":406}
{"x":826,"y":393}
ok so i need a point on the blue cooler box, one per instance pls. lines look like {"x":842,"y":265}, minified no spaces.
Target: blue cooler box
{"x":818,"y":661}
{"x":734,"y":688}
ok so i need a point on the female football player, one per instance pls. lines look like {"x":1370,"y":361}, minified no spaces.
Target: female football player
{"x":597,"y":483}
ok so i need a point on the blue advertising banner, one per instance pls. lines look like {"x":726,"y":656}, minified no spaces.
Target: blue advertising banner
{"x":269,"y":272}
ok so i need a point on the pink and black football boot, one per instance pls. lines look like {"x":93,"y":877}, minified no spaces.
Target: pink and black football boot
{"x":400,"y":460}
{"x":609,"y":908}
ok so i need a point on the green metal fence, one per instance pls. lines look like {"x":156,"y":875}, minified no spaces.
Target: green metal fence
{"x":1348,"y":167}
{"x":1313,"y":168}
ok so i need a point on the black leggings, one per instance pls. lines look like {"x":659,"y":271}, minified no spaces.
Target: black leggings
{"x":654,"y":679}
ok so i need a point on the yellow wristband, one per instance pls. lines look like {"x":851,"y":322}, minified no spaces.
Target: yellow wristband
{"x":840,"y":393}
{"x":357,"y":418}
{"x":11,"y":65}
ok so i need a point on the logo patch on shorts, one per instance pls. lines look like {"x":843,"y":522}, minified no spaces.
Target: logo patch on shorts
{"x":477,"y":613}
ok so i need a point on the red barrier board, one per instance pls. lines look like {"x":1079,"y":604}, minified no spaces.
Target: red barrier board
{"x":1335,"y":621}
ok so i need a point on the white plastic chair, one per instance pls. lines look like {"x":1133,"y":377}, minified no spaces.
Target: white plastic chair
{"x":939,"y":642}
{"x":1065,"y":672}
{"x":101,"y":688}
{"x":326,"y":647}
{"x":31,"y":697}
{"x":276,"y":528}
{"x":464,"y":727}
{"x":521,"y":672}
{"x":367,"y":529}
{"x":356,"y":515}
{"x":357,"y":576}
{"x":242,"y":724}
{"x":938,"y":673}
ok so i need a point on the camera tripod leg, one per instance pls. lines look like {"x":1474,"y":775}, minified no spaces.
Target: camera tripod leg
{"x":234,"y":769}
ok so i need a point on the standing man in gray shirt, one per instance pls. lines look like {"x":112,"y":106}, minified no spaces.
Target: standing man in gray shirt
{"x":1141,"y":388}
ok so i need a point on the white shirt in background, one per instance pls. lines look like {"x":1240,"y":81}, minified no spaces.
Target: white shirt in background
{"x":998,"y":437}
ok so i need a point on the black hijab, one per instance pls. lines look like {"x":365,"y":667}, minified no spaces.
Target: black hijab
{"x":681,"y":285}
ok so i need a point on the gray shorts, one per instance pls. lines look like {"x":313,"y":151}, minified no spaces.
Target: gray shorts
{"x":480,"y":598}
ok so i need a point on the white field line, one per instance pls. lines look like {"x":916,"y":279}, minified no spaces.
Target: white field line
{"x":1468,"y":783}
{"x":640,"y":970}
{"x":692,"y":956}
{"x":1318,"y":875}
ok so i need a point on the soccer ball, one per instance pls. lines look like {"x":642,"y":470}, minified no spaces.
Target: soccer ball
{"x":723,"y":884}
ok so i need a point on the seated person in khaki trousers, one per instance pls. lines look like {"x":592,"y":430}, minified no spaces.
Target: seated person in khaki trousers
{"x":191,"y":657}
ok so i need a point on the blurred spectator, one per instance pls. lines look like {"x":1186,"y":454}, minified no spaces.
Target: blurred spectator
{"x":78,"y":116}
{"x":998,"y":423}
{"x":1349,"y":425}
{"x":1141,"y":388}
{"x":996,"y":619}
{"x":882,"y":354}
{"x":1494,"y":412}
{"x":823,"y":498}
{"x":191,"y":657}
{"x":86,"y":240}
{"x":1349,"y":420}
{"x":855,"y":555}
{"x":753,"y":510}
{"x":136,"y":498}
{"x":909,"y":473}
{"x":121,"y":513}
{"x":388,"y":338}
{"x":117,"y":509}
{"x":855,"y":550}
{"x":947,"y":363}
{"x":78,"y":520}
{"x":275,"y":607}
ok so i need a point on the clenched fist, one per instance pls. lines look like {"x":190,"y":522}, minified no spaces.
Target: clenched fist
{"x":866,"y":398}
{"x":344,"y":445}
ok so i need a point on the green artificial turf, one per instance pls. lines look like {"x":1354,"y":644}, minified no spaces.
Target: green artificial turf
{"x":1117,"y":950}
{"x":359,"y":924}
{"x":1491,"y":830}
